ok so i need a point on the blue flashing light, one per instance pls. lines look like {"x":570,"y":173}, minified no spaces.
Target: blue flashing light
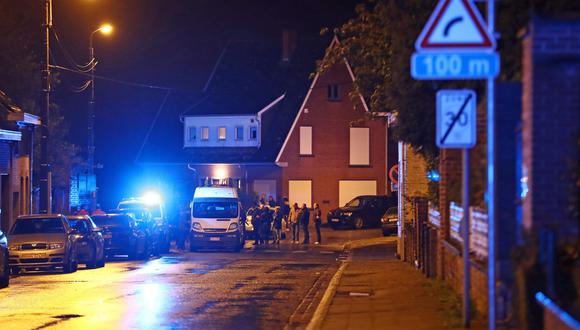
{"x":433,"y":175}
{"x":557,"y":311}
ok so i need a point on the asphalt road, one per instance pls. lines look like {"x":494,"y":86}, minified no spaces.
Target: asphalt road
{"x":259,"y":288}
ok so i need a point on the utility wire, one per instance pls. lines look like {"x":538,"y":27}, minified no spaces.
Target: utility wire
{"x":85,"y":68}
{"x":146,"y":138}
{"x":122,"y":82}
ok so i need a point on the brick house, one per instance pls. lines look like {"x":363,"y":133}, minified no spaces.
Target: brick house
{"x":333,"y":152}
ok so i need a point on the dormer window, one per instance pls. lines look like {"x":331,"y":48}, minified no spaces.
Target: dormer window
{"x":333,"y":92}
{"x":239,"y":133}
{"x":192,"y":133}
{"x":221,"y":133}
{"x":205,"y":133}
{"x":253,"y":132}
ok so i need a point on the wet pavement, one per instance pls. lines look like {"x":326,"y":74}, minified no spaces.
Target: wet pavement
{"x":259,"y":288}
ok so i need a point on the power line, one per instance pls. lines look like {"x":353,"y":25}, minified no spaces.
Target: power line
{"x":118,"y":81}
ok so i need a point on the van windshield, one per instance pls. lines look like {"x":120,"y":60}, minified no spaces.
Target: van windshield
{"x":215,"y":209}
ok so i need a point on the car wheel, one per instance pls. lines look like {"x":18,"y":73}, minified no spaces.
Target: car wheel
{"x":358,"y":223}
{"x":101,"y":262}
{"x":93,"y":260}
{"x":69,"y":267}
{"x":5,"y":277}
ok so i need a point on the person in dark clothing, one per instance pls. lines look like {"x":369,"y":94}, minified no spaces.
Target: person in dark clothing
{"x":256,"y":223}
{"x":304,"y":220}
{"x":266,"y":224}
{"x":183,"y":226}
{"x":271,"y":201}
{"x":285,"y":209}
{"x":277,"y":225}
{"x":317,"y":216}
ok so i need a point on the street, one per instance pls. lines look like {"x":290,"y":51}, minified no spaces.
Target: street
{"x":265,"y":288}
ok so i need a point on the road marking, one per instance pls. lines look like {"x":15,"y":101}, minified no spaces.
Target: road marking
{"x":327,"y":252}
{"x":299,"y":251}
{"x":272,"y":251}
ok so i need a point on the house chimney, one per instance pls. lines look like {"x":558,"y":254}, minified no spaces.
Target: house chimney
{"x":288,"y":44}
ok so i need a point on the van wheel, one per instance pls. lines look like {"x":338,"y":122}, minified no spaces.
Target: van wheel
{"x":358,"y":223}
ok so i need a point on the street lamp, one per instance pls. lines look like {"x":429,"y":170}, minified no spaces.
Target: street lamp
{"x":105,"y":29}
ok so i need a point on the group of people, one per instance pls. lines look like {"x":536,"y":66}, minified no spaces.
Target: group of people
{"x":268,"y":216}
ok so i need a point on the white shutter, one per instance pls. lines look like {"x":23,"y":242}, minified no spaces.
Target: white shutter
{"x":300,"y":191}
{"x":349,"y":189}
{"x":306,"y":140}
{"x":359,"y":146}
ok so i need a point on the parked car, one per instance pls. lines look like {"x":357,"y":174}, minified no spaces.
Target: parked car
{"x":4,"y":261}
{"x":389,"y":221}
{"x":91,"y":245}
{"x":155,"y":212}
{"x":123,"y":235}
{"x":361,"y":211}
{"x":42,"y":241}
{"x":144,"y":218}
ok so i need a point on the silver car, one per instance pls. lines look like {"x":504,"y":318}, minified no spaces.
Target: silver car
{"x":42,"y":241}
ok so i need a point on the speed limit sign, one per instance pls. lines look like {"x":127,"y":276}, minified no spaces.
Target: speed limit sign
{"x":456,"y":120}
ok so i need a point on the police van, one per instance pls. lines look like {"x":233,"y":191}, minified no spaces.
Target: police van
{"x":216,"y":219}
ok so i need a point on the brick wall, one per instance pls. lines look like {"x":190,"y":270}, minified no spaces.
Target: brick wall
{"x":330,"y":121}
{"x":550,"y":122}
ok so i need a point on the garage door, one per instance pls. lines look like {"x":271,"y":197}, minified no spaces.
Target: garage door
{"x":349,"y":189}
{"x":300,"y":191}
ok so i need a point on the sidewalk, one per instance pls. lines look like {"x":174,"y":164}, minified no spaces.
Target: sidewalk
{"x":377,"y":291}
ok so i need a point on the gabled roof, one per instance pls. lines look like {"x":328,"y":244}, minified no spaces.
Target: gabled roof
{"x":249,"y":77}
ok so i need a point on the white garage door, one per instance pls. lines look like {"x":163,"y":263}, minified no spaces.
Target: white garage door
{"x":300,"y":191}
{"x":266,"y":187}
{"x":349,"y":189}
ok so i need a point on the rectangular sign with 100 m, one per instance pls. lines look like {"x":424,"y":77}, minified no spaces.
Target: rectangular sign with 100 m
{"x":454,"y":65}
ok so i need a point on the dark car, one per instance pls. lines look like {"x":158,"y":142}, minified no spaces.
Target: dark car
{"x":91,"y":245}
{"x":123,"y":235}
{"x":4,"y":261}
{"x":389,"y":221}
{"x":43,"y":241}
{"x":145,"y":220}
{"x":362,"y":211}
{"x":155,"y":214}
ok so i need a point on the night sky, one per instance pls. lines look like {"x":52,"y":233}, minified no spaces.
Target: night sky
{"x":172,"y":43}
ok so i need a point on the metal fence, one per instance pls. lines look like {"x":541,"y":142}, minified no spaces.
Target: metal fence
{"x":477,"y":231}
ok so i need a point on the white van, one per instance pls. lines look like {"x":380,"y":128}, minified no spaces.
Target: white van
{"x":216,"y":219}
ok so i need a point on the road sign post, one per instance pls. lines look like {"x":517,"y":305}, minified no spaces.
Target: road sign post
{"x":456,"y":44}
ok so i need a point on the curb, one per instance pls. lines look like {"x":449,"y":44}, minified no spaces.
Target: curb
{"x":322,"y":309}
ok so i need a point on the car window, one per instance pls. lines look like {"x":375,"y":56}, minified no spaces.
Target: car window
{"x":356,"y":202}
{"x":392,"y":211}
{"x":112,"y":221}
{"x":40,"y":225}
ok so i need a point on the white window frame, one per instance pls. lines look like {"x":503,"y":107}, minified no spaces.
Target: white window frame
{"x":191,"y":137}
{"x":237,"y":130}
{"x":359,"y":146}
{"x":204,"y":133}
{"x":253,"y":127}
{"x":305,"y":140}
{"x":220,"y":130}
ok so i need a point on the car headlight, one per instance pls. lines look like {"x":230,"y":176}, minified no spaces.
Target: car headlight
{"x":196,"y":226}
{"x":393,"y":219}
{"x":384,"y":220}
{"x":233,"y":226}
{"x":348,"y":214}
{"x":13,"y":247}
{"x":54,"y":246}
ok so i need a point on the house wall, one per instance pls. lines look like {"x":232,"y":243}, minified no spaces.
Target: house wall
{"x":213,"y":123}
{"x":329,"y":162}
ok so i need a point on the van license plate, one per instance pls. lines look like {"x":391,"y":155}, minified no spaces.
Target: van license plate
{"x":214,"y":238}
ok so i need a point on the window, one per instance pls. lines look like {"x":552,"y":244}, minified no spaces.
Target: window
{"x":306,"y":140}
{"x":221,"y":133}
{"x":332,"y":93}
{"x":192,"y":134}
{"x":359,"y":146}
{"x":205,"y":133}
{"x":253,"y":133}
{"x":239,"y":133}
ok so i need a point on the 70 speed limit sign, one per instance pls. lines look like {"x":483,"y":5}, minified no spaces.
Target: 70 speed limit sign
{"x":456,"y":120}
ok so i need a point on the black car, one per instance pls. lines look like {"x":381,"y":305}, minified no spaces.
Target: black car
{"x":145,"y":220}
{"x":123,"y":235}
{"x":4,"y":261}
{"x":362,"y":211}
{"x":90,"y":242}
{"x":389,"y":221}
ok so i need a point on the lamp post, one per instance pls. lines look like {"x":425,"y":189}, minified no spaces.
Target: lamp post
{"x":45,"y":174}
{"x":104,"y":29}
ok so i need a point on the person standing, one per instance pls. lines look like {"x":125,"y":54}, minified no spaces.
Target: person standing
{"x":285,"y":208}
{"x":294,"y":223}
{"x":304,"y":221}
{"x":256,"y":223}
{"x":266,"y":224}
{"x":277,"y":225}
{"x":317,"y":216}
{"x":183,"y":226}
{"x":271,"y":201}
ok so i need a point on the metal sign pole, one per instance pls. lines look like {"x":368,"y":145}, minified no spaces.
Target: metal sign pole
{"x":491,"y":181}
{"x":466,"y":226}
